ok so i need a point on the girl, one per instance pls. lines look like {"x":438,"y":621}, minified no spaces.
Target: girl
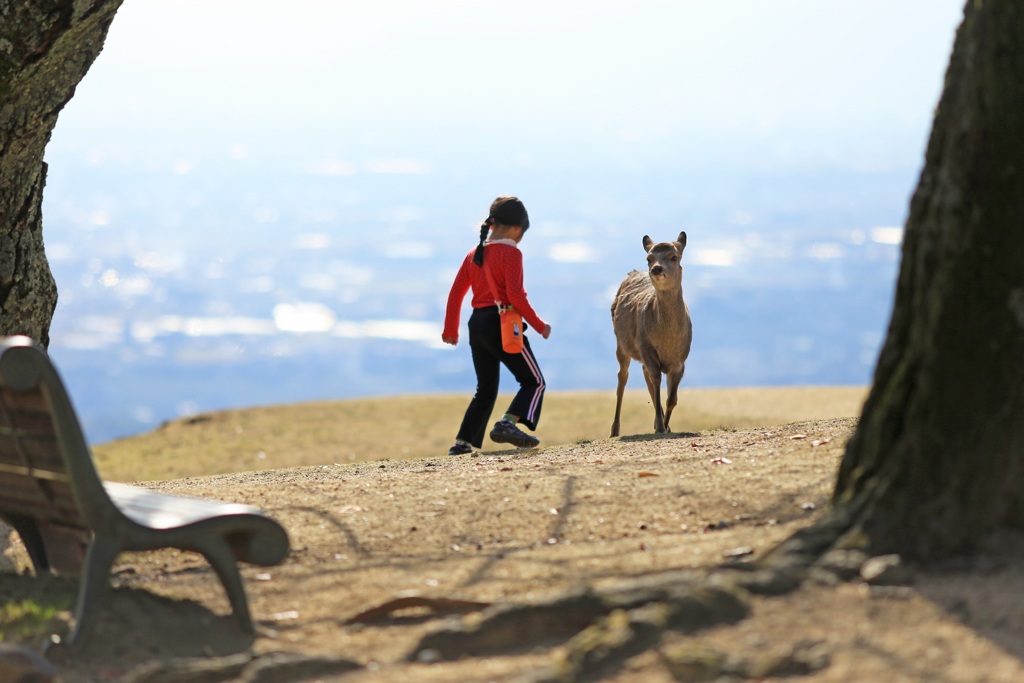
{"x":507,"y":223}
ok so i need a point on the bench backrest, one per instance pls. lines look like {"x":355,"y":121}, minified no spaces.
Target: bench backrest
{"x":46,"y":468}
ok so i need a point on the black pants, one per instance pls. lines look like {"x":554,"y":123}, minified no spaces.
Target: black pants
{"x":488,"y":357}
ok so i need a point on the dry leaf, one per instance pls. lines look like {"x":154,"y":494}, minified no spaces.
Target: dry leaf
{"x":820,"y":442}
{"x":647,"y":474}
{"x":799,"y":436}
{"x":722,"y":461}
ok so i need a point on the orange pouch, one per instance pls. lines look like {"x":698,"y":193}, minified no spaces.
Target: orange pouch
{"x":511,"y":330}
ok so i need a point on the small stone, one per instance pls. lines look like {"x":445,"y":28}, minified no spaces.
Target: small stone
{"x":886,"y":570}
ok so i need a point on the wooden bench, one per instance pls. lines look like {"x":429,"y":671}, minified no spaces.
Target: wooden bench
{"x":73,"y":522}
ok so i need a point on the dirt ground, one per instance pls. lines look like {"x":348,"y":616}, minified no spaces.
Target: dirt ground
{"x":456,"y":537}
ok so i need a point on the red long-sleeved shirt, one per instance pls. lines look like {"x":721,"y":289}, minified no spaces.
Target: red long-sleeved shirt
{"x":505,"y":262}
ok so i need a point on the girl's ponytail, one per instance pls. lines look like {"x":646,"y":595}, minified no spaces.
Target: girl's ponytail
{"x":478,"y":255}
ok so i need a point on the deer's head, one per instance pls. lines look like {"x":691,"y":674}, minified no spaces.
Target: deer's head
{"x":664,"y":262}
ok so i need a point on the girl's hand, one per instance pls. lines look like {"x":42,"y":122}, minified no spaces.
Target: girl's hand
{"x":547,"y":331}
{"x":450,"y":340}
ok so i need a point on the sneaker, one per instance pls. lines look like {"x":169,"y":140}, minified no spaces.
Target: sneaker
{"x":506,"y":432}
{"x":460,"y":449}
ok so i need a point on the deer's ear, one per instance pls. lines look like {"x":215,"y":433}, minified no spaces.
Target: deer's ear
{"x":681,"y":241}
{"x":647,"y":243}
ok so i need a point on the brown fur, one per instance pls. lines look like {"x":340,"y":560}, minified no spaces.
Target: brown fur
{"x":652,"y":326}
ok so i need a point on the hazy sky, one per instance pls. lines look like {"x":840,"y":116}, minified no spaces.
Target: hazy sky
{"x":263,"y":122}
{"x":606,"y":69}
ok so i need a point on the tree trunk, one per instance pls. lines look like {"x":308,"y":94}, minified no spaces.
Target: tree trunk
{"x":45,"y":50}
{"x":938,"y":457}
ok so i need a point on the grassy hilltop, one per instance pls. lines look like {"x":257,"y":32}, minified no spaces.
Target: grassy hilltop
{"x":406,"y":427}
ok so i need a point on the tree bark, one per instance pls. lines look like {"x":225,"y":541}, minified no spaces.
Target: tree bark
{"x":45,"y":50}
{"x":938,"y":457}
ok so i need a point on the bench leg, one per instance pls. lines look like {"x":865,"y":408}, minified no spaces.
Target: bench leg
{"x":218,"y":554}
{"x":28,"y":530}
{"x":95,"y":586}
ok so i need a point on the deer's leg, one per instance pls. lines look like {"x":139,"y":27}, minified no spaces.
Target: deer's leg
{"x":672,"y":384}
{"x":653,"y":376}
{"x":624,"y":361}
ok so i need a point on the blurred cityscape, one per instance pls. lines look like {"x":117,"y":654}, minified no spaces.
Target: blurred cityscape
{"x":211,"y":276}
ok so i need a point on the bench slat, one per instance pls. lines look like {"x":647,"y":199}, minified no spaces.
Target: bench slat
{"x":27,"y":431}
{"x":48,"y":500}
{"x":26,"y":410}
{"x":164,"y":510}
{"x":34,"y":422}
{"x":31,"y":400}
{"x":39,"y":453}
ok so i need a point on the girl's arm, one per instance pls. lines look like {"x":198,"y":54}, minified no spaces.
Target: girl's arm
{"x":450,"y":335}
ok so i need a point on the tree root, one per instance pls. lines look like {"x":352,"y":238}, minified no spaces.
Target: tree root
{"x":690,"y":662}
{"x":602,"y":629}
{"x":599,"y":631}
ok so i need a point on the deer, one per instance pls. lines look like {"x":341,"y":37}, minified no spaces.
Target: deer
{"x":652,"y":325}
